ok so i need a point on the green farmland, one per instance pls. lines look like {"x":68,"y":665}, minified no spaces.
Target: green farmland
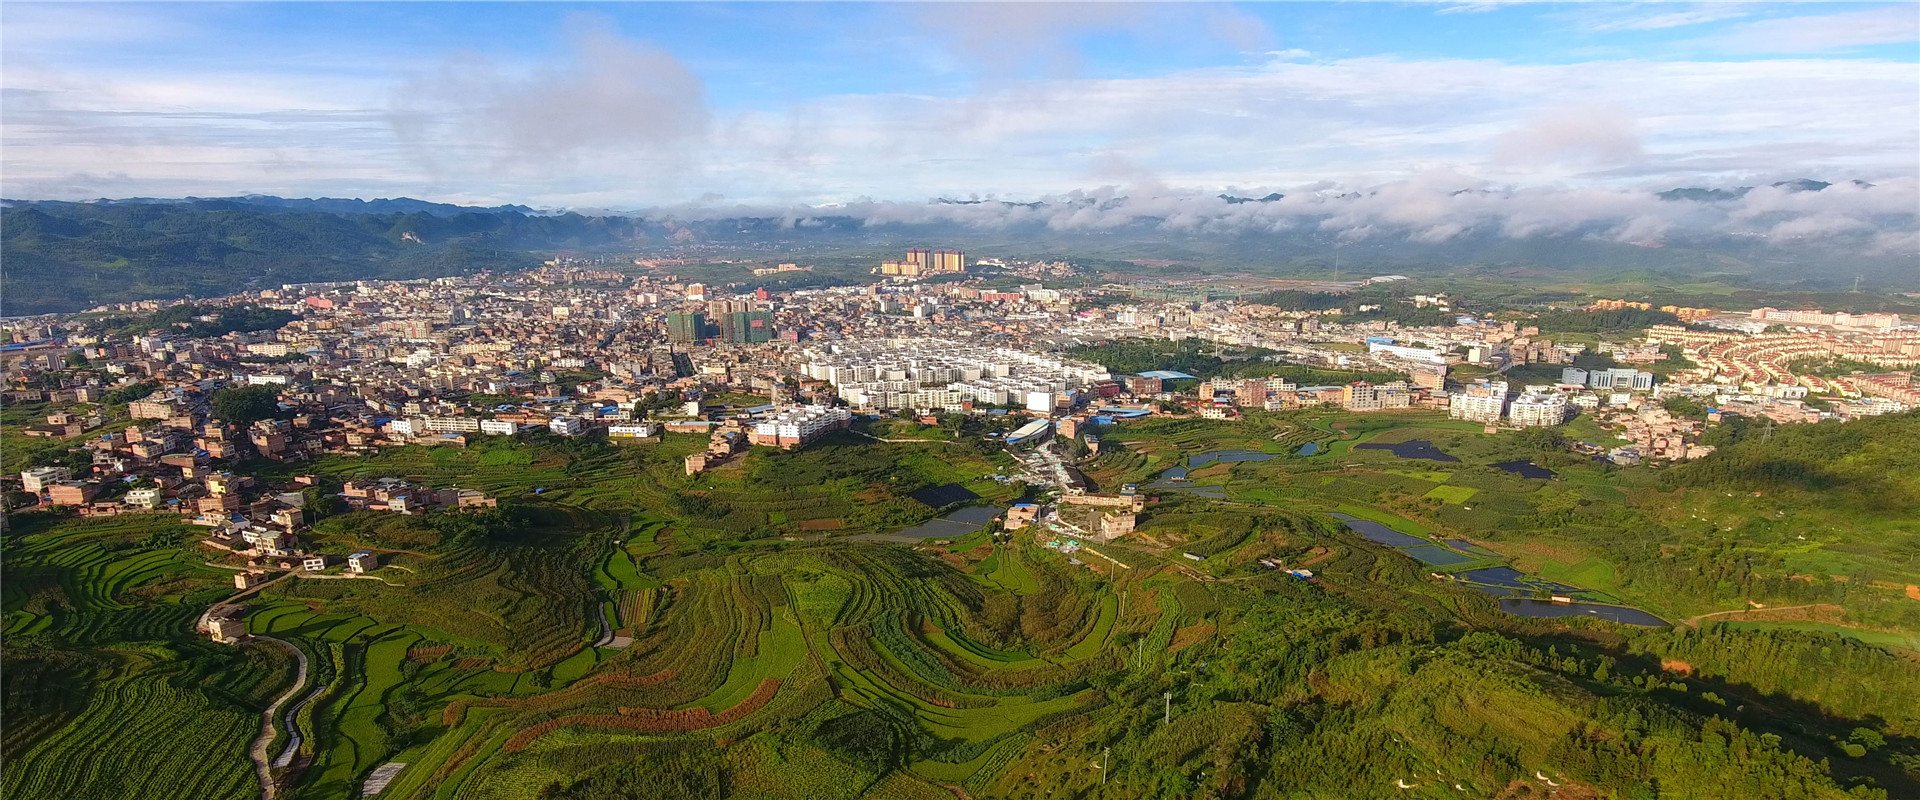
{"x":757,"y":644}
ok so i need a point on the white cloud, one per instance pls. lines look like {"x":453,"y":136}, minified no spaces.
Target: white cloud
{"x":1607,"y":18}
{"x":1896,"y":24}
{"x":614,"y":123}
{"x":1579,"y":136}
{"x":611,"y":98}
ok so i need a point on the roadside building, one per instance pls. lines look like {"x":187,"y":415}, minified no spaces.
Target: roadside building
{"x":35,"y":481}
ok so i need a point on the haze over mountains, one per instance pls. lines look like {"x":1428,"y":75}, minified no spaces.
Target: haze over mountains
{"x":65,"y":256}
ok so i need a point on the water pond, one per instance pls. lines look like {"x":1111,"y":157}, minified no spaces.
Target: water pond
{"x":1524,"y":469}
{"x":1522,"y":607}
{"x":1308,"y":449}
{"x":945,"y":494}
{"x":1418,"y":448}
{"x":954,"y":525}
{"x":1437,"y":556}
{"x":1227,"y":457}
{"x":1378,"y":533}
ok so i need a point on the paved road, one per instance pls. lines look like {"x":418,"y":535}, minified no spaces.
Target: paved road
{"x":262,"y":767}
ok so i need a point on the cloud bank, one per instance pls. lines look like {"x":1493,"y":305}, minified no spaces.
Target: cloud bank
{"x":1431,"y":208}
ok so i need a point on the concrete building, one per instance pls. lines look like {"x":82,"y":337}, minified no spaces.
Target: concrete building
{"x":687,"y":328}
{"x":637,"y":430}
{"x":313,"y":563}
{"x":35,"y":481}
{"x":1617,"y":378}
{"x":71,"y":493}
{"x":144,"y":498}
{"x":1481,"y":402}
{"x":1363,"y":396}
{"x":1114,"y":526}
{"x":362,"y":562}
{"x":798,"y":426}
{"x":499,"y":427}
{"x":567,"y":426}
{"x":1539,"y":409}
{"x":226,"y":630}
{"x":747,"y":327}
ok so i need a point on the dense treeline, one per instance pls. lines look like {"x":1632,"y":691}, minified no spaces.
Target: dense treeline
{"x":1871,"y":463}
{"x":1605,"y":321}
{"x":1205,"y":360}
{"x":1843,"y":676}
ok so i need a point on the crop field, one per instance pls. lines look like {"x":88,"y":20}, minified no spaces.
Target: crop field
{"x":116,"y":579}
{"x":775,"y":656}
{"x":155,"y":721}
{"x":1455,"y":495}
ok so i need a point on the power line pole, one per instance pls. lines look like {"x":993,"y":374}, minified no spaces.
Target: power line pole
{"x":1106,"y":760}
{"x":1167,"y":715}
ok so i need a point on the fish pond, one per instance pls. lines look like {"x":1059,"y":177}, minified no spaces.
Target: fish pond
{"x":1418,"y":448}
{"x":1502,"y":582}
{"x":1524,"y":469}
{"x":953,"y":525}
{"x":1526,"y":607}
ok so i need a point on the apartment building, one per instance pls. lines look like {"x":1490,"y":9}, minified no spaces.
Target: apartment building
{"x":798,"y":426}
{"x":1539,"y":409}
{"x":1482,"y":402}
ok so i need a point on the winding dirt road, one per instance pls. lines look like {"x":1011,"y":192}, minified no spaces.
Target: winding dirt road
{"x":262,"y":766}
{"x":1748,"y":612}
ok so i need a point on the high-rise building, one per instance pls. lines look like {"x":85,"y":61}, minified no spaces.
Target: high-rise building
{"x":926,"y":262}
{"x":752,"y":327}
{"x":684,"y":328}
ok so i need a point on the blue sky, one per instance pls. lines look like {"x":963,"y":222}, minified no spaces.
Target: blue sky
{"x":606,"y":105}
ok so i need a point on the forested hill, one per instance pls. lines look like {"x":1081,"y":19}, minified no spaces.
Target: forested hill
{"x":62,"y":256}
{"x":70,"y":256}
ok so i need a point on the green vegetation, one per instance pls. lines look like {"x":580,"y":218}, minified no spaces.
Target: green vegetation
{"x":777,"y":651}
{"x":187,"y":318}
{"x":245,"y":405}
{"x":1204,"y":360}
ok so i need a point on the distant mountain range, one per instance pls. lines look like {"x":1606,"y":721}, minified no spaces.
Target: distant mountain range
{"x":330,"y":205}
{"x":66,"y":256}
{"x":1711,"y":195}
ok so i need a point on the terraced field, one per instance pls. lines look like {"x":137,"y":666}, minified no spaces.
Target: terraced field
{"x":770,"y":658}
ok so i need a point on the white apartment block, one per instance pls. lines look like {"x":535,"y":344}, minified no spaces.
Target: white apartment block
{"x":498,"y":427}
{"x":452,"y":424}
{"x":1542,"y":409}
{"x":1481,"y":402}
{"x":567,"y":426}
{"x":937,"y":373}
{"x":798,"y":426}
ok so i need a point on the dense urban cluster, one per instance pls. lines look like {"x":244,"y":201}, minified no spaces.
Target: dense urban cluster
{"x":574,"y":349}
